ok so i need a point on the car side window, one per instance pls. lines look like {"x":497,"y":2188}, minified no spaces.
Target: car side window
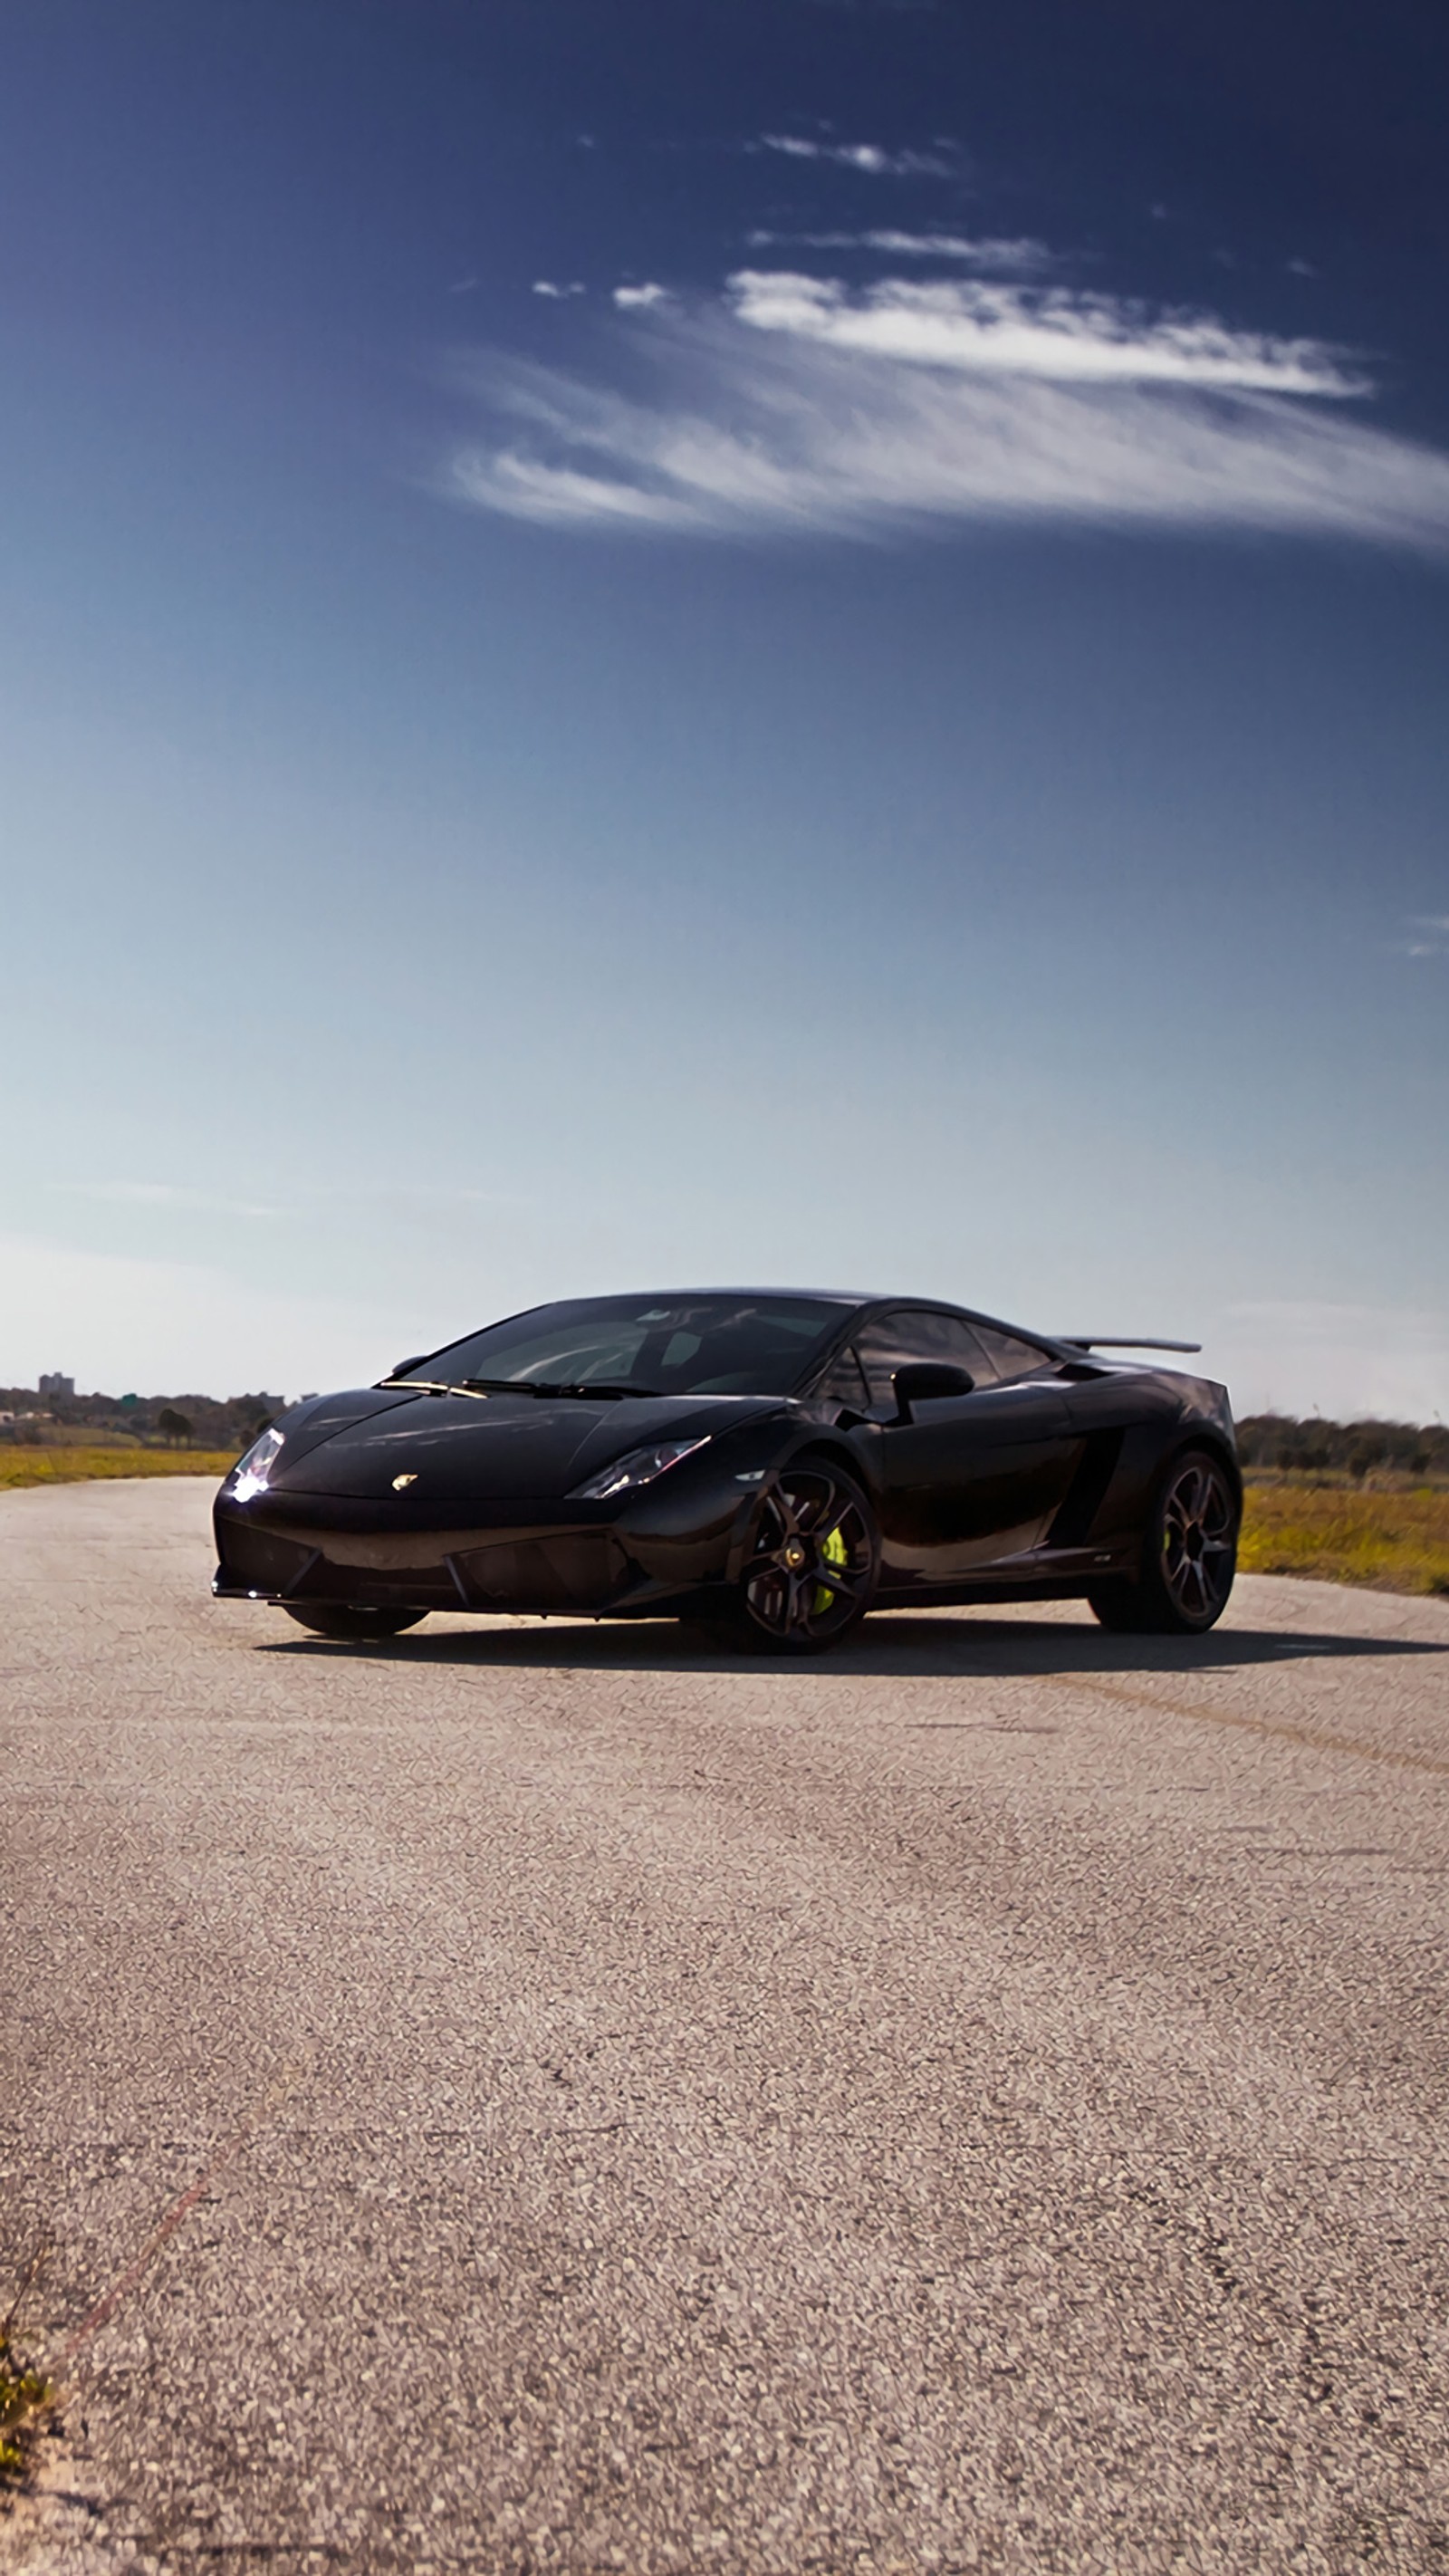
{"x":1011,"y":1357}
{"x":912,"y":1333}
{"x":844,"y":1382}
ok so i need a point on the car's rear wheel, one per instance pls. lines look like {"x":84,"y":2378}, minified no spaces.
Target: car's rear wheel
{"x":351,"y":1621}
{"x":813,"y":1564}
{"x":1189,"y":1556}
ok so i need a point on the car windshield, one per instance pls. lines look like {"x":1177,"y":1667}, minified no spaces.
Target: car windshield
{"x":723,"y":1345}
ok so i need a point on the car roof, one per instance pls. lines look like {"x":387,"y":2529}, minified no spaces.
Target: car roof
{"x":827,"y":1296}
{"x":855,"y":1301}
{"x":850,"y":1300}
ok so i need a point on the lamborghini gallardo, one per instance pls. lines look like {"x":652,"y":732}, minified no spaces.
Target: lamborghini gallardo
{"x":771,"y":1464}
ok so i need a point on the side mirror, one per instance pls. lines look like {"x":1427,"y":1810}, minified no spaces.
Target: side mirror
{"x":925,"y":1380}
{"x":400,"y":1368}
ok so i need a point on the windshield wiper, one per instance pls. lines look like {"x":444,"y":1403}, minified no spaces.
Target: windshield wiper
{"x":465,"y":1385}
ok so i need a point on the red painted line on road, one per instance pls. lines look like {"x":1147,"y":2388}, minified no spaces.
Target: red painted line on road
{"x":105,"y":2308}
{"x":1316,"y":1738}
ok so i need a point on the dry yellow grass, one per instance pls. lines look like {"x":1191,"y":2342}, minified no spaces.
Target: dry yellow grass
{"x":73,"y":1466}
{"x":1397,"y":1541}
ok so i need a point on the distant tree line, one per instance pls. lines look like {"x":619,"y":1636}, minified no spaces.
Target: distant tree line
{"x":184,"y":1421}
{"x":1343,"y":1448}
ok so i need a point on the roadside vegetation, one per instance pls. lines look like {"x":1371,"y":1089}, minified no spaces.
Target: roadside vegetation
{"x":1344,"y":1452}
{"x":55,"y":1415}
{"x":1394,"y":1538}
{"x":26,"y":2395}
{"x":1347,"y":1502}
{"x":52,"y":1436}
{"x":73,"y":1463}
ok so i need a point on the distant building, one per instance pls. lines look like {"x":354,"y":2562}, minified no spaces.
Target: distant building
{"x":57,"y":1385}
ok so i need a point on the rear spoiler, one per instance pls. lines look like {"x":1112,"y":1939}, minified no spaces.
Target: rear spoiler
{"x":1121,"y":1342}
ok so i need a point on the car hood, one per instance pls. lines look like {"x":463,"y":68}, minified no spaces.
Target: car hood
{"x":496,"y":1448}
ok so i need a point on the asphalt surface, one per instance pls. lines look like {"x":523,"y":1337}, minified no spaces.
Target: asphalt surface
{"x":544,"y":2097}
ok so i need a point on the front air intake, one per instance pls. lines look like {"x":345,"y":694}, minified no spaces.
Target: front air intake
{"x":579,"y":1570}
{"x":253,"y":1560}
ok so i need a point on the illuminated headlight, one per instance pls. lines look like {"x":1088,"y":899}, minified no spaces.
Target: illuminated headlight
{"x":636,"y":1467}
{"x":252,"y":1474}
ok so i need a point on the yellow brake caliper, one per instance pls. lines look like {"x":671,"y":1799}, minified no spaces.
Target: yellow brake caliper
{"x":834,"y":1553}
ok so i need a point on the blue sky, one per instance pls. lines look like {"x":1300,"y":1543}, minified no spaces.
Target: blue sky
{"x":657,"y":643}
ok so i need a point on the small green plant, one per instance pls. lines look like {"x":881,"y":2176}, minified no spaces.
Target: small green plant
{"x":25,"y":2392}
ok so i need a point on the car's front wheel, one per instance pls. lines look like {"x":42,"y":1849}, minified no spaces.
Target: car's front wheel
{"x":1189,"y":1556}
{"x":352,"y":1622}
{"x":813,"y":1564}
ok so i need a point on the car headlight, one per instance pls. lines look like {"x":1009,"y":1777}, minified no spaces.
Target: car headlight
{"x":252,"y":1474}
{"x":636,"y":1467}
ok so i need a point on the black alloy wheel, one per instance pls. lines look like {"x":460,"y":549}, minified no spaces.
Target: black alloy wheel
{"x":352,"y":1622}
{"x":813,"y":1564}
{"x":1189,"y":1557}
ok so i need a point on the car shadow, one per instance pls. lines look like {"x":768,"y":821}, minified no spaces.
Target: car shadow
{"x":893,"y":1645}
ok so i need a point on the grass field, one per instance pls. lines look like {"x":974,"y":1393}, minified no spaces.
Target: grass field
{"x":1395,"y":1540}
{"x":73,"y":1465}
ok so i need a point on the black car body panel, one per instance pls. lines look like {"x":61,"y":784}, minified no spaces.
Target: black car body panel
{"x":1038,"y":1482}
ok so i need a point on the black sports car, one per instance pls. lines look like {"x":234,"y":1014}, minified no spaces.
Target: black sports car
{"x":772,"y":1462}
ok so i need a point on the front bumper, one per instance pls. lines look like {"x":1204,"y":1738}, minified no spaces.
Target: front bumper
{"x":537,"y":1558}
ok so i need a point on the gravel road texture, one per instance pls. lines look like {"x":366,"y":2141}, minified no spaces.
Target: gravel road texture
{"x":546,"y":2097}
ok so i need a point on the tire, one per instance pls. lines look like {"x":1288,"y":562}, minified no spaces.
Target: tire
{"x":1189,"y":1556}
{"x":813,"y":1563}
{"x":341,"y":1619}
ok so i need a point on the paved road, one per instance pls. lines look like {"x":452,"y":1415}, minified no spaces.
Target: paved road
{"x":976,"y":2102}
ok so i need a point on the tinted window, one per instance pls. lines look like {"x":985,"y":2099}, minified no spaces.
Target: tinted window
{"x":1009,"y":1355}
{"x":664,"y":1345}
{"x":911,"y":1333}
{"x":844,"y":1382}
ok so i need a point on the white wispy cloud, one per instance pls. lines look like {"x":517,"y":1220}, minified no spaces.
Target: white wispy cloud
{"x":1428,"y":936}
{"x":1001,"y":257}
{"x":872,"y":158}
{"x":558,"y":294}
{"x":638,"y":299}
{"x":787,"y":405}
{"x":1021,"y":331}
{"x":159,"y":1194}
